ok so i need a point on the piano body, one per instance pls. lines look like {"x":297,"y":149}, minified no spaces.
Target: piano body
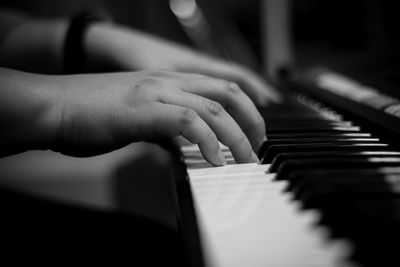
{"x":326,"y":193}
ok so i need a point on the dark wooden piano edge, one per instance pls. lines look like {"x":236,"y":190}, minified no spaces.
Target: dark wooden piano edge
{"x":35,"y":229}
{"x":186,"y":213}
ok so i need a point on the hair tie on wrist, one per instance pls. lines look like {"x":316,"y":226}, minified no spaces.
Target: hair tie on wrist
{"x":74,"y":50}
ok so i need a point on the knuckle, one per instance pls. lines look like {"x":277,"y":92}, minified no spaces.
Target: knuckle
{"x":144,"y":90}
{"x":214,"y":108}
{"x":210,"y":135}
{"x":256,"y":129}
{"x":259,"y":123}
{"x":160,"y":74}
{"x":146,"y":83}
{"x":188,"y":116}
{"x":207,"y":136}
{"x":232,"y":88}
{"x":241,"y":140}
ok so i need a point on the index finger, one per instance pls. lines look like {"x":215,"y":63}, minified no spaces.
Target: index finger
{"x":223,"y":125}
{"x":166,"y":120}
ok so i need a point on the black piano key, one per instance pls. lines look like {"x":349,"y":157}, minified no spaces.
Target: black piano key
{"x":317,"y":140}
{"x":349,"y":186}
{"x":299,"y":118}
{"x":274,"y":150}
{"x":377,"y":207}
{"x":310,"y":123}
{"x":355,"y":207}
{"x":317,"y":134}
{"x":289,"y":119}
{"x":264,"y":147}
{"x":296,"y":177}
{"x":357,"y":182}
{"x":328,"y":154}
{"x":332,"y":163}
{"x":294,"y":130}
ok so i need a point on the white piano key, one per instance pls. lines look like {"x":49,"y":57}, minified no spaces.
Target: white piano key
{"x":246,"y":220}
{"x":228,"y":170}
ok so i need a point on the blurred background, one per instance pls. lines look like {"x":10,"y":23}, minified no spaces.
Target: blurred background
{"x":231,"y":21}
{"x":328,"y":31}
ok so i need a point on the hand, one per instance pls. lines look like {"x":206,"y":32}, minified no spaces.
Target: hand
{"x":126,"y":49}
{"x":100,"y":113}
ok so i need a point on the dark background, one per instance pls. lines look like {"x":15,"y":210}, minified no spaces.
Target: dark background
{"x":358,"y":26}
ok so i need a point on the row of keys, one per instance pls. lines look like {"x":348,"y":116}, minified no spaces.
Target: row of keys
{"x":333,"y":166}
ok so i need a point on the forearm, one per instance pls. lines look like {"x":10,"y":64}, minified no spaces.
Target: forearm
{"x":33,"y":45}
{"x":124,"y":48}
{"x":29,"y":111}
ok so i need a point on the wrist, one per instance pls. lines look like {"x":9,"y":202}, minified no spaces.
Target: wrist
{"x":30,"y":111}
{"x":51,"y":94}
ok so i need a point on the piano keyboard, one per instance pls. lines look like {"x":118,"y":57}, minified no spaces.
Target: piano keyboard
{"x":325,"y":194}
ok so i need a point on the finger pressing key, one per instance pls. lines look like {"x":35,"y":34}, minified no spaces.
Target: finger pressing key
{"x":236,"y":103}
{"x":222,"y":124}
{"x":173,"y":120}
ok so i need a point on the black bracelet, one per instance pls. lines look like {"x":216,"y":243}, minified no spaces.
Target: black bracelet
{"x":74,"y":51}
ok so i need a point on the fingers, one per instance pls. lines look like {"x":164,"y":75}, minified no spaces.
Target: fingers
{"x":224,"y":126}
{"x":165,"y":120}
{"x":236,"y":103}
{"x":252,"y":84}
{"x":256,"y":87}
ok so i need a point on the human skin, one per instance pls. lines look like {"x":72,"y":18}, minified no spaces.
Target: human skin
{"x":90,"y":114}
{"x":165,"y":90}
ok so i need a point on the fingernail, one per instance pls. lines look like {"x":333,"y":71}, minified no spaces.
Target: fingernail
{"x":221,"y":158}
{"x":255,"y":158}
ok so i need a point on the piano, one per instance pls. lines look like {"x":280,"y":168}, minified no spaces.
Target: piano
{"x":325,"y":194}
{"x":327,"y":190}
